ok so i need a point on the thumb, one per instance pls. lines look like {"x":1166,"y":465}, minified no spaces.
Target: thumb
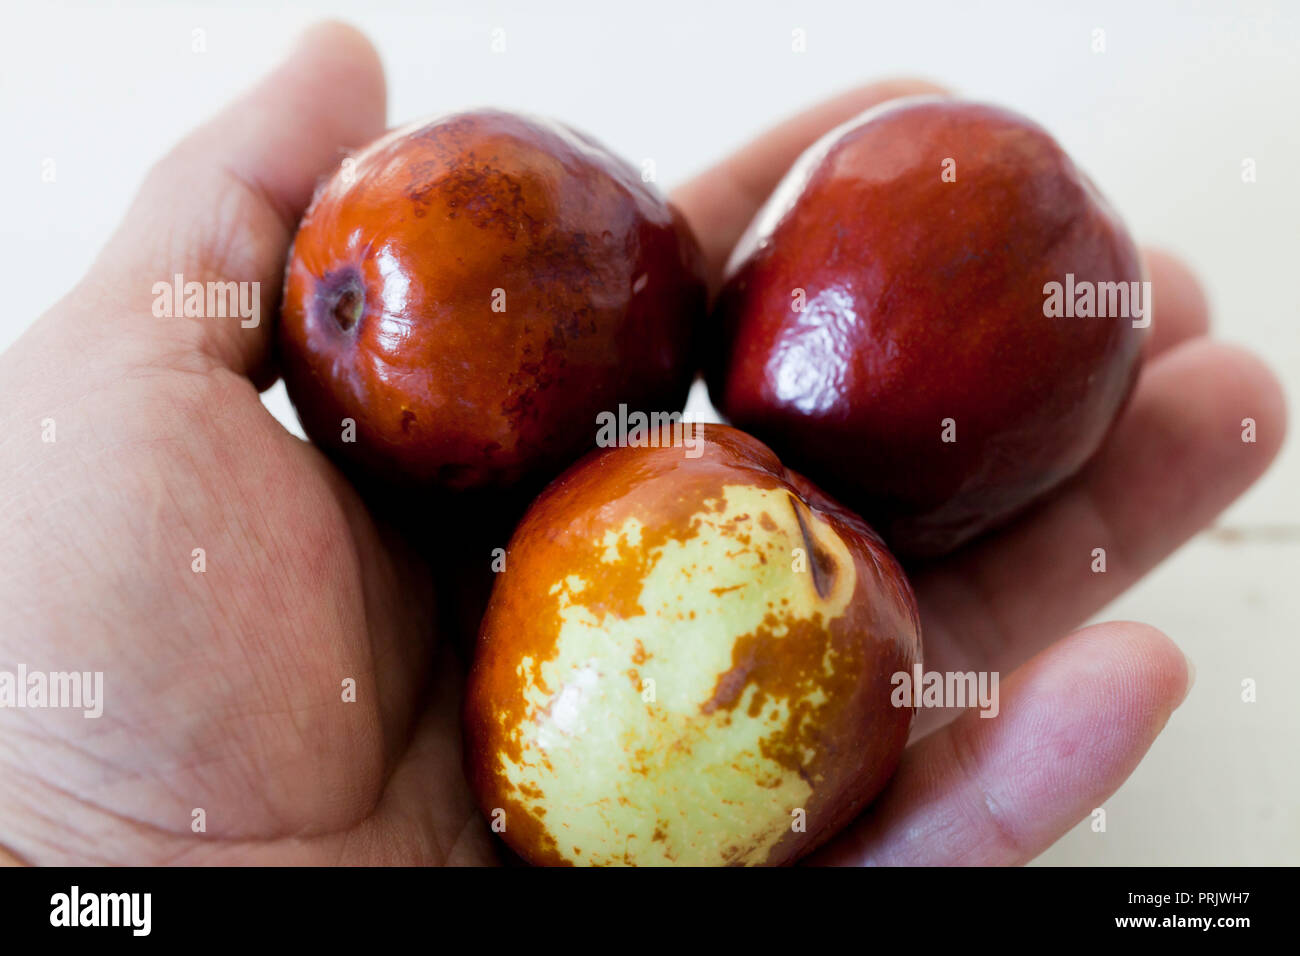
{"x":221,"y":207}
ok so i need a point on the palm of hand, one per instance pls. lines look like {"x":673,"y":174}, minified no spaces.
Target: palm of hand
{"x":226,"y":686}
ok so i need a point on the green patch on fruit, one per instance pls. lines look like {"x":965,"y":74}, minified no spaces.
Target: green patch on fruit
{"x":705,"y":755}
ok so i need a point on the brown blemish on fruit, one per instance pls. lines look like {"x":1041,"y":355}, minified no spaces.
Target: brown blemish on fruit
{"x":811,"y":667}
{"x":526,"y":827}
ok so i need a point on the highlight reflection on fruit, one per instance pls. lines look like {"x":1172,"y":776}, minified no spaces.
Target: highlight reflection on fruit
{"x":883,"y":323}
{"x":687,"y":660}
{"x":471,"y":291}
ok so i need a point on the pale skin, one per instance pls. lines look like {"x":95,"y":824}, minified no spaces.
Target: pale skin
{"x":223,"y":688}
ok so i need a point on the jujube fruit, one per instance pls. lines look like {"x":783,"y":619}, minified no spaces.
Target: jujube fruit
{"x":883,"y":322}
{"x":470,"y":292}
{"x":687,"y":660}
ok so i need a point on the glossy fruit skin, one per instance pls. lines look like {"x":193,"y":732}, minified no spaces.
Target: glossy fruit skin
{"x":473,"y":290}
{"x":924,"y":301}
{"x":772,"y":682}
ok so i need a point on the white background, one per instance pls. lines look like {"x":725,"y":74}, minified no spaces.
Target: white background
{"x":1162,"y":121}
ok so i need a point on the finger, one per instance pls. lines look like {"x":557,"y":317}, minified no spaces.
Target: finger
{"x":222,"y":206}
{"x":720,"y":202}
{"x":1176,"y":459}
{"x":1181,"y":311}
{"x":1072,"y":725}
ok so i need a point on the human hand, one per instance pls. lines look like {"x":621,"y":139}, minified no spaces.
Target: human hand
{"x":224,"y":687}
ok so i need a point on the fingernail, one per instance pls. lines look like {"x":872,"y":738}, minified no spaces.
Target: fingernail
{"x":1191,"y":678}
